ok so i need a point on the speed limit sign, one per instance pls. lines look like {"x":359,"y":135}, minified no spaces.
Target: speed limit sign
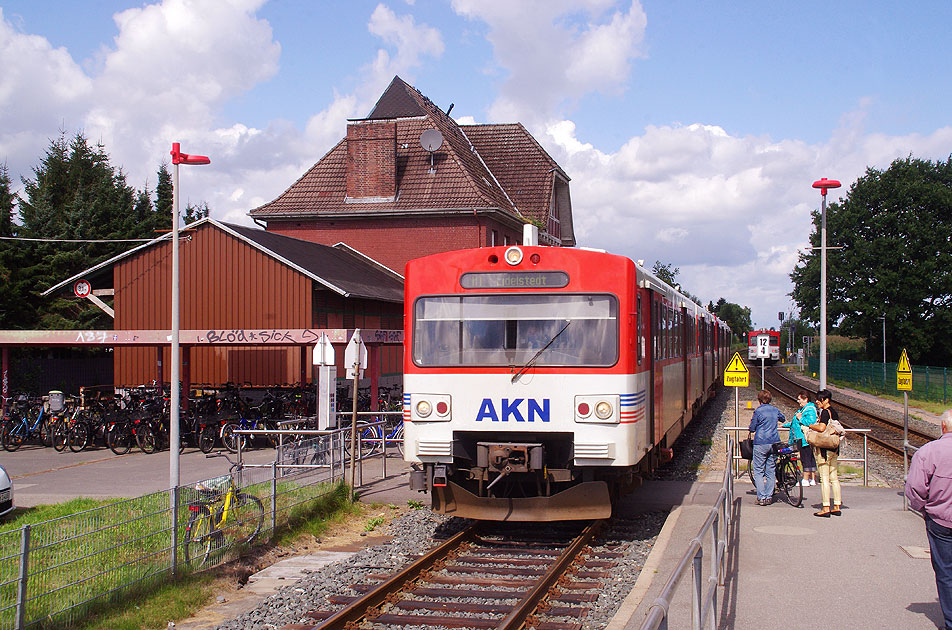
{"x":82,"y":288}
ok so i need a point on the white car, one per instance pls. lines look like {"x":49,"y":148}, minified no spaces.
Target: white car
{"x":6,"y":492}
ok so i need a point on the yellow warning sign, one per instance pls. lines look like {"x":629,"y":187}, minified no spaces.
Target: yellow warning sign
{"x":904,"y":373}
{"x":736,"y":373}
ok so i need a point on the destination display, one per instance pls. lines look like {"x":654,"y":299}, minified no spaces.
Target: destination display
{"x":514,"y":280}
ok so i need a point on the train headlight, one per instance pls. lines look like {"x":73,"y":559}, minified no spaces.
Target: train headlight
{"x":431,"y":407}
{"x":603,"y":410}
{"x":600,"y":409}
{"x":513,"y":255}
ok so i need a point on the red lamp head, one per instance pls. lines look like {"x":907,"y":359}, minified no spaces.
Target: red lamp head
{"x":184,"y":158}
{"x":824,"y":184}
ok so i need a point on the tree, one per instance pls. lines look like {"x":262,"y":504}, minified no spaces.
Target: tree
{"x":14,"y":293}
{"x":194,"y":213}
{"x":737,"y":317}
{"x":670,"y":276}
{"x":895,"y":227}
{"x":76,"y":194}
{"x":665,"y":273}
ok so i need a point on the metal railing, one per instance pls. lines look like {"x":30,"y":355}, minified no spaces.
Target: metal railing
{"x":733,"y":449}
{"x":704,"y":601}
{"x":56,"y":572}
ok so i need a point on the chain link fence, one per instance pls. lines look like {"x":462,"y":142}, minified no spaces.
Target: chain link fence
{"x":56,"y":572}
{"x":928,"y":383}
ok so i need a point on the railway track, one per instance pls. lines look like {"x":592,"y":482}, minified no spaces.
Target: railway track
{"x":882,"y":431}
{"x":495,"y":575}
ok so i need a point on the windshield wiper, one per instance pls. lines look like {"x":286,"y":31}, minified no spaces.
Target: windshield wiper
{"x":536,"y":355}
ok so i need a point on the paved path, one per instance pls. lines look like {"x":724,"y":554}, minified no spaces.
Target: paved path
{"x":868,"y":568}
{"x":43,"y":476}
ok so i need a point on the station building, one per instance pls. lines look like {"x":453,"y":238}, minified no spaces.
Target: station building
{"x":405,"y":182}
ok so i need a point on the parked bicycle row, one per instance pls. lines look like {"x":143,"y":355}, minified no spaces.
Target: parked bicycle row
{"x":139,"y":417}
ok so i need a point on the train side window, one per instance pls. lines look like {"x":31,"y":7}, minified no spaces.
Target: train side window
{"x":667,"y":332}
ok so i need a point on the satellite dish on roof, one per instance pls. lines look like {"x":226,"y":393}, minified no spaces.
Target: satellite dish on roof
{"x":431,"y":140}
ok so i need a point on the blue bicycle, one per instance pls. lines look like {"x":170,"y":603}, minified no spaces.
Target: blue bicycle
{"x":371,"y":441}
{"x":19,"y":427}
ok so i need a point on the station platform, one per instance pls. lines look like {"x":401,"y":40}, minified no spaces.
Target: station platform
{"x":868,"y":568}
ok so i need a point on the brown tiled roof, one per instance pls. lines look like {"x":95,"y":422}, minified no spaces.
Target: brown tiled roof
{"x":520,"y":164}
{"x":478,"y":166}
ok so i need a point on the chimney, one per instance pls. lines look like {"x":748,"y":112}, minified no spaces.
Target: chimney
{"x":371,"y":160}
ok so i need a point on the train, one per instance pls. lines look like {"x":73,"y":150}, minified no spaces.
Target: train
{"x":769,"y":340}
{"x":542,"y":383}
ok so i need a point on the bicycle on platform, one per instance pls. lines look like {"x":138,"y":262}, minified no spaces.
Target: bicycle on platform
{"x":788,"y":474}
{"x":221,"y":517}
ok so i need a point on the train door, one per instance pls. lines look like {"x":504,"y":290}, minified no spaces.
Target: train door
{"x":705,"y":361}
{"x":657,"y":371}
{"x":684,"y":333}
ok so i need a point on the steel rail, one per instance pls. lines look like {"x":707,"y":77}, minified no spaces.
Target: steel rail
{"x":517,"y":618}
{"x":357,"y":610}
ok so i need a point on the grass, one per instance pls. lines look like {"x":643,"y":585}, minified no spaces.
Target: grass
{"x":33,"y":515}
{"x":112,"y":551}
{"x":936,"y":407}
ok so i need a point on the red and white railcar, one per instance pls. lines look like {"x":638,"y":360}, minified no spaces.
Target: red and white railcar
{"x":763,"y":343}
{"x":542,"y":382}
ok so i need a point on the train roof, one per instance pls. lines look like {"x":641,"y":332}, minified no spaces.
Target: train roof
{"x":645,"y":278}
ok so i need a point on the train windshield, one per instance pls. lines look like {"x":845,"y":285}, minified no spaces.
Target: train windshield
{"x":509,"y":330}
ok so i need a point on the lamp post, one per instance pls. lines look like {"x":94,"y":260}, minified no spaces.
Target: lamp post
{"x":824,"y":185}
{"x":174,"y":439}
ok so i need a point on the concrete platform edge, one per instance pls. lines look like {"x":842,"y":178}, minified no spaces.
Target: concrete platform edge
{"x":648,"y":573}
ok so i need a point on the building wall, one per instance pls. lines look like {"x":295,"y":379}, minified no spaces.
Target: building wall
{"x":225,"y":284}
{"x":394,"y":241}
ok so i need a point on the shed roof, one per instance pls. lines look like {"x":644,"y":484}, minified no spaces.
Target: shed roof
{"x":340,"y":268}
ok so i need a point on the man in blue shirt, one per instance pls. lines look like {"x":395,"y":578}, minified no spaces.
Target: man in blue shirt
{"x":763,"y":430}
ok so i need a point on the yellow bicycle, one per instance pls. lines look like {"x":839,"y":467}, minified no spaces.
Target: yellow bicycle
{"x":221,"y":517}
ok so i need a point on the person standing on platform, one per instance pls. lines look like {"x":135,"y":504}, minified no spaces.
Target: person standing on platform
{"x":804,"y":417}
{"x":826,"y":459}
{"x":763,"y":430}
{"x":929,"y":490}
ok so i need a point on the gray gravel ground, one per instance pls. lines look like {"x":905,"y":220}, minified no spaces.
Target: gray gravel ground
{"x":698,"y":451}
{"x":415,"y":532}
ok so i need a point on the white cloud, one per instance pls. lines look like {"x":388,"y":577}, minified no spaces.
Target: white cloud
{"x":166,"y":76}
{"x":556,"y":51}
{"x":411,"y":41}
{"x":730,"y":211}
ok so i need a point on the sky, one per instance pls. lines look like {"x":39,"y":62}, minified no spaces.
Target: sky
{"x":692,"y":131}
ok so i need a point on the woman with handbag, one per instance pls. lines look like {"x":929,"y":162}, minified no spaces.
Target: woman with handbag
{"x":826,"y":457}
{"x":805,"y":416}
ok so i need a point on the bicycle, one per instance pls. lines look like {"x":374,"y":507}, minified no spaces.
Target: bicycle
{"x":787,"y":472}
{"x":221,"y":516}
{"x":19,"y":427}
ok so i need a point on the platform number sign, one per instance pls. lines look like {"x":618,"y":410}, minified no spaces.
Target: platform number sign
{"x":763,"y":346}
